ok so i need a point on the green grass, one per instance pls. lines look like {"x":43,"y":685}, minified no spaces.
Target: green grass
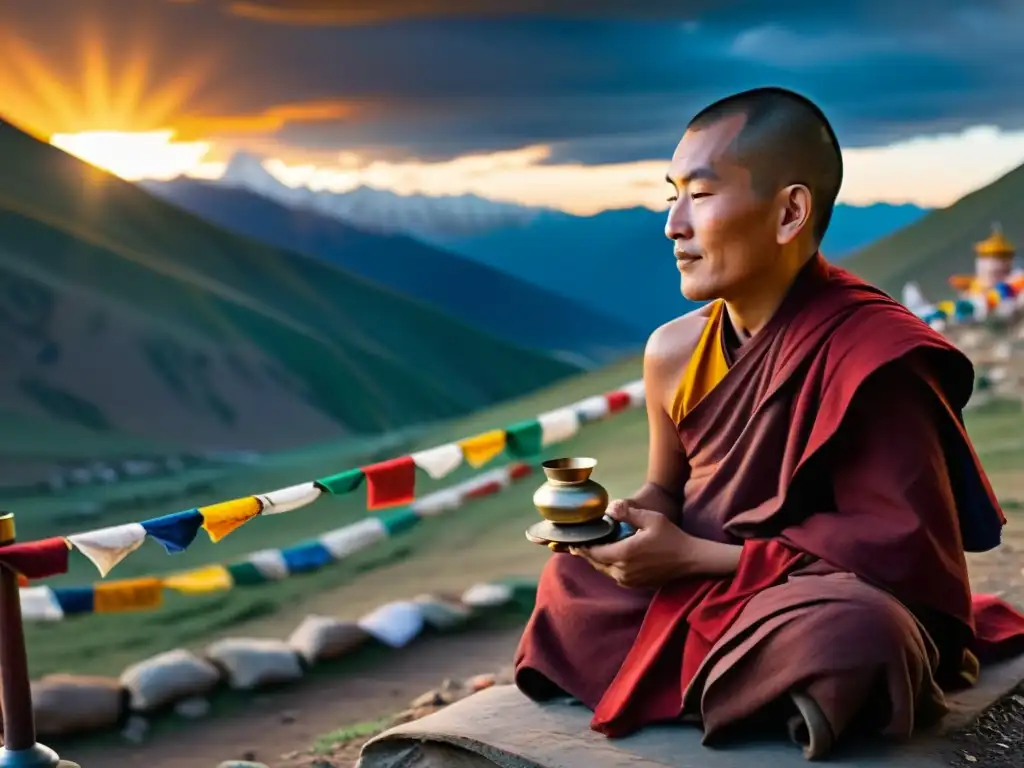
{"x":104,"y":644}
{"x":329,"y":741}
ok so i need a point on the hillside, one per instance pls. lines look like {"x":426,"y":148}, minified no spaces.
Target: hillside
{"x":121,"y":313}
{"x":486,"y":298}
{"x":942,"y":243}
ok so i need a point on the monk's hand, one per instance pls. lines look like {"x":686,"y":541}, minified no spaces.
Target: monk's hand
{"x":655,"y":555}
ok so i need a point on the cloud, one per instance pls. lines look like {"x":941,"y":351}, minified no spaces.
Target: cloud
{"x":594,"y":82}
{"x":268,"y":121}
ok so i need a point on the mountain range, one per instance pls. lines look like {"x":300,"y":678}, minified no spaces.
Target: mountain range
{"x":478,"y":294}
{"x":617,"y":263}
{"x":122,"y":313}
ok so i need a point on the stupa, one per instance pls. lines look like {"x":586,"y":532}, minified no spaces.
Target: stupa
{"x":993,"y":264}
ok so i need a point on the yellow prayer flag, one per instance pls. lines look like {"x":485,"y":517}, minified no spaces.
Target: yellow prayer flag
{"x":127,"y":595}
{"x":213,"y":578}
{"x":221,"y":519}
{"x":482,"y":448}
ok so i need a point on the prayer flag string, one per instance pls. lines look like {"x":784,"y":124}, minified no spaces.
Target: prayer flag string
{"x":43,"y":603}
{"x":390,"y":491}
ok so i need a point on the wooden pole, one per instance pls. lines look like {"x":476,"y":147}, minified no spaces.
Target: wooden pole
{"x":20,"y":748}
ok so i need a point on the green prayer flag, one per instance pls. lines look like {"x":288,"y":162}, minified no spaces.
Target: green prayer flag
{"x":343,"y":482}
{"x":523,"y":439}
{"x":398,"y":521}
{"x":245,"y":574}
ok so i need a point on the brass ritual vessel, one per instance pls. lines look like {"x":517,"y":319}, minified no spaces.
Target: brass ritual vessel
{"x":572,"y":504}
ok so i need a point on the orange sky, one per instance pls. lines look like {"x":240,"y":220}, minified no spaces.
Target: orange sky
{"x":932,"y":171}
{"x":123,"y":112}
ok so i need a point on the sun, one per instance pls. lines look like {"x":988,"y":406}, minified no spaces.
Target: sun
{"x":141,"y":155}
{"x":116,"y":113}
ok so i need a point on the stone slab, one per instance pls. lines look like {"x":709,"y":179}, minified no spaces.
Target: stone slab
{"x":506,"y":729}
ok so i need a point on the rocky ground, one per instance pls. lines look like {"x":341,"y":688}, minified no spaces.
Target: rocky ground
{"x":341,"y":749}
{"x":996,"y":739}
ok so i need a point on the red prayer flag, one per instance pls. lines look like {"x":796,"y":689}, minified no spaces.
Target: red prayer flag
{"x":617,"y":401}
{"x":390,"y":483}
{"x":485,"y":489}
{"x":37,"y":559}
{"x":519,"y":470}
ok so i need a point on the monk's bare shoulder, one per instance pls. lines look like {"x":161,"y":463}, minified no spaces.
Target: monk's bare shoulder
{"x":668,"y":352}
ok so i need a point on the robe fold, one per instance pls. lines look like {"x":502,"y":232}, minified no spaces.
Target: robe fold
{"x":831,"y":447}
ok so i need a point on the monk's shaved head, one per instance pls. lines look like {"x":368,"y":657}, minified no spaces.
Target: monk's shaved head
{"x":786,"y":139}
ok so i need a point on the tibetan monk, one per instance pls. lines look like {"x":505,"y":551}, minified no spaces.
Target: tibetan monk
{"x":811,"y":491}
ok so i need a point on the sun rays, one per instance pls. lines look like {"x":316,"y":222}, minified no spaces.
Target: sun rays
{"x":113,"y":109}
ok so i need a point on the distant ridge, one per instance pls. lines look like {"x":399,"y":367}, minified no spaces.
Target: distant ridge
{"x":480,"y":295}
{"x":123,"y":314}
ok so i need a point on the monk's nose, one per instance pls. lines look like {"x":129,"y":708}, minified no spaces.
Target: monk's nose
{"x":677,"y":225}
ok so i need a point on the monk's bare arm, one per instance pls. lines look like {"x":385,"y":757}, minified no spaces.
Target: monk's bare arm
{"x":666,"y":355}
{"x":662,"y":490}
{"x":668,"y":352}
{"x":669,"y":553}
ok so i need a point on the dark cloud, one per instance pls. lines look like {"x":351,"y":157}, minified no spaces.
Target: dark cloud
{"x":434,"y":82}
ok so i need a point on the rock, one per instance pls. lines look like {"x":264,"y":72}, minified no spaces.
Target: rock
{"x":479,"y":682}
{"x":135,"y":730}
{"x":405,"y":716}
{"x":289,"y":716}
{"x":192,"y":709}
{"x":428,"y":699}
{"x":451,"y":686}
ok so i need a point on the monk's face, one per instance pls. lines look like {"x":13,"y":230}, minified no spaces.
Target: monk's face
{"x":724,"y":232}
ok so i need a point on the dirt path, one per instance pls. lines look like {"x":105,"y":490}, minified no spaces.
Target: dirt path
{"x":290,"y":720}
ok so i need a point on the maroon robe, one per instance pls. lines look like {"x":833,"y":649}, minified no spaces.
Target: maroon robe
{"x":834,"y":452}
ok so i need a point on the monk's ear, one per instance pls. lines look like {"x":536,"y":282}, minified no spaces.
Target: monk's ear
{"x":794,"y":212}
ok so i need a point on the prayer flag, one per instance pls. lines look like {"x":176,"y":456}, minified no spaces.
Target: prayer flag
{"x":175,"y":532}
{"x":524,"y":438}
{"x":270,"y":563}
{"x":440,"y":461}
{"x":343,"y":482}
{"x":40,"y":604}
{"x":245,"y":574}
{"x":519,"y":470}
{"x":212,"y":578}
{"x":74,"y":600}
{"x":288,"y":499}
{"x":390,"y":483}
{"x":107,"y":547}
{"x":399,"y":521}
{"x":37,"y":559}
{"x":221,"y":519}
{"x":592,"y":408}
{"x":127,"y":595}
{"x":617,"y":401}
{"x":558,"y":426}
{"x":305,"y":557}
{"x":481,"y":448}
{"x":344,"y":541}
